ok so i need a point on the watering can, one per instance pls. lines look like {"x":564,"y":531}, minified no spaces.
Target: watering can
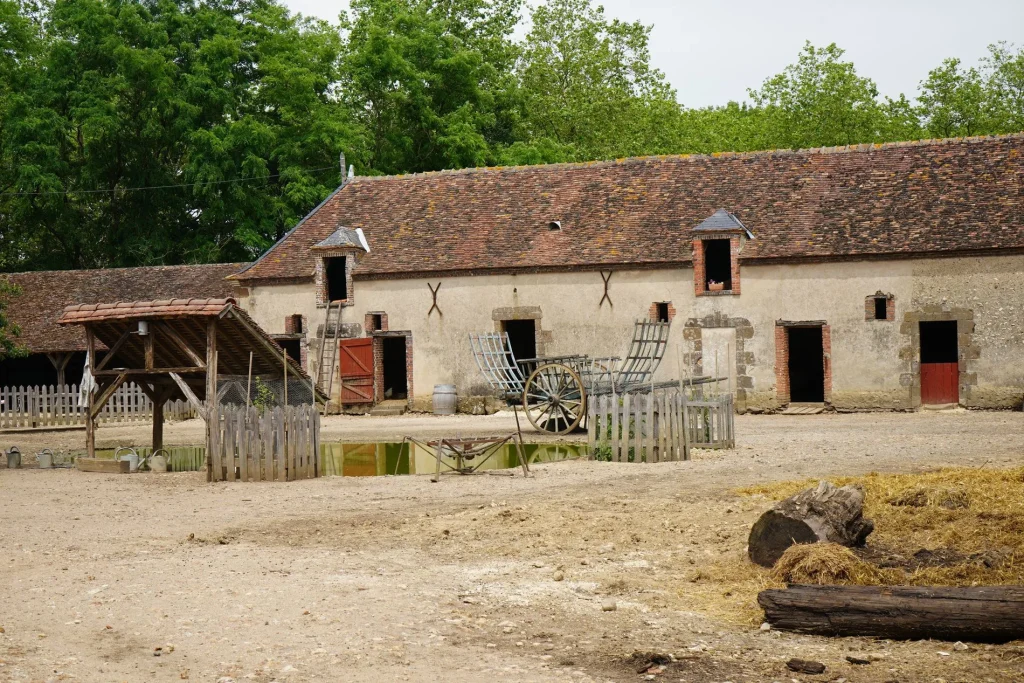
{"x":13,"y":458}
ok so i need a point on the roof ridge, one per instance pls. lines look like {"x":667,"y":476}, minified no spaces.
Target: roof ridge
{"x":806,"y":151}
{"x":126,"y":268}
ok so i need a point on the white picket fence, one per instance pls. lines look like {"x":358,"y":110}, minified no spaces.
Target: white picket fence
{"x":28,"y":407}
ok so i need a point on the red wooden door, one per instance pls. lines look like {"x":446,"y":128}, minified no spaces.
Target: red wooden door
{"x":356,"y":370}
{"x":940,"y":383}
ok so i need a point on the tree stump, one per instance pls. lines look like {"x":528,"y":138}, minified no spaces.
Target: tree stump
{"x":824,"y":513}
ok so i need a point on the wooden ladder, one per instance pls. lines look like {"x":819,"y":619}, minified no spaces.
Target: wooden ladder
{"x":329,"y":351}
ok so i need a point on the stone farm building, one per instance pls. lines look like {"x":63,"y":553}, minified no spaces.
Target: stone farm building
{"x":865,"y":277}
{"x":56,"y":353}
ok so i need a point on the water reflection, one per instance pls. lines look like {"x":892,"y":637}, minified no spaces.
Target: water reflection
{"x":376,"y":459}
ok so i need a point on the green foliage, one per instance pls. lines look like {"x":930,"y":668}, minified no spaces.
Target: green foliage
{"x":238,"y":111}
{"x":264,"y":397}
{"x":8,"y":330}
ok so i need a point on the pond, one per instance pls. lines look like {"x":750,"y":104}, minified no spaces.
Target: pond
{"x":379,"y":458}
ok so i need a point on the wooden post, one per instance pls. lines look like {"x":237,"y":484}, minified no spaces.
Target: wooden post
{"x":147,"y":344}
{"x":284,"y":358}
{"x":248,"y":383}
{"x":158,"y":398}
{"x":212,"y":415}
{"x":90,"y":419}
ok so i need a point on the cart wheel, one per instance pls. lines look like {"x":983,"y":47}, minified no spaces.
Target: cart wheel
{"x":553,"y":399}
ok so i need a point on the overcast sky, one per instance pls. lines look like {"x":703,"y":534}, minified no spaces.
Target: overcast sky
{"x":712,"y":51}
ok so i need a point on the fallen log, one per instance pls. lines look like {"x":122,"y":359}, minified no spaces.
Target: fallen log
{"x":981,"y":614}
{"x":826,"y":513}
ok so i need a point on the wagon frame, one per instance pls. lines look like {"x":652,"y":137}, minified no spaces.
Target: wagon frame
{"x":554,"y":390}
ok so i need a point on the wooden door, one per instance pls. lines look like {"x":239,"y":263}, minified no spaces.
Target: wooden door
{"x":356,"y":370}
{"x":940,"y":383}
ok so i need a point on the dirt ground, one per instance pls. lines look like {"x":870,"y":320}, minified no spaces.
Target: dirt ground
{"x":472,"y":579}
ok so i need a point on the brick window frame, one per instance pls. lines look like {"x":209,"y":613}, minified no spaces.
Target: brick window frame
{"x":890,"y":306}
{"x":700,"y":274}
{"x":653,"y":312}
{"x":320,"y":275}
{"x":378,"y":364}
{"x":368,"y":322}
{"x":782,"y":358}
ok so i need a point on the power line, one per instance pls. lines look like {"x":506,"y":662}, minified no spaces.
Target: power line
{"x":158,"y":187}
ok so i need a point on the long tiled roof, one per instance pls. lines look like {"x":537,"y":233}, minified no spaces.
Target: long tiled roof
{"x":45,"y":294}
{"x":928,"y":197}
{"x":165,"y":308}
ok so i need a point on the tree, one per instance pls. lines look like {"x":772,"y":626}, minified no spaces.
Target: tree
{"x":588,"y":86}
{"x":228,"y":107}
{"x":819,"y":101}
{"x":8,"y":330}
{"x":952,"y":101}
{"x":431,"y":80}
{"x":1004,"y":88}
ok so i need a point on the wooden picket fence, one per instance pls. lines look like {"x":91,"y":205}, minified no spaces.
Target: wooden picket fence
{"x":50,"y":406}
{"x":657,"y":426}
{"x":279,"y":444}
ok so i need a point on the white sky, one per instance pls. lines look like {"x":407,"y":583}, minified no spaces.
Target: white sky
{"x":712,"y":52}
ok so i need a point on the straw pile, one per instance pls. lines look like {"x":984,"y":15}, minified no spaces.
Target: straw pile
{"x":824,"y":564}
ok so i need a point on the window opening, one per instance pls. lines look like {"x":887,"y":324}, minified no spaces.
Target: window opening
{"x":718,"y":265}
{"x":522,"y":336}
{"x":395,"y":377}
{"x":938,"y":342}
{"x":296,"y":324}
{"x":337,"y":278}
{"x":377,"y":322}
{"x":663,"y":312}
{"x":881,"y":304}
{"x":292,"y":347}
{"x":806,"y":365}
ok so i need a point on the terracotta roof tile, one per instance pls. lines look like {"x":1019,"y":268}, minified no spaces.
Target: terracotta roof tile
{"x":866,"y":200}
{"x":45,"y":294}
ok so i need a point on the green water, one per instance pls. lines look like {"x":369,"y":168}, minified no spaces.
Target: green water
{"x":380,"y":458}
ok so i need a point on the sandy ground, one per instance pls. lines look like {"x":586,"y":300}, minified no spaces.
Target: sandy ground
{"x":395,"y":578}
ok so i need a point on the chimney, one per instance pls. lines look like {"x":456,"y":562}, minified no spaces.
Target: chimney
{"x":341,"y":165}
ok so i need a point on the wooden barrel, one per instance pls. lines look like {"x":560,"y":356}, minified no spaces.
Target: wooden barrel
{"x":446,"y":400}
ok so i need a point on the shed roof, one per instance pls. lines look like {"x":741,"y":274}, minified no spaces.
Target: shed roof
{"x":44,"y":294}
{"x":237,"y":336}
{"x":864,"y":201}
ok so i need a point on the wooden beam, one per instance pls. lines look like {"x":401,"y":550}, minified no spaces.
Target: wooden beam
{"x":148,"y":371}
{"x":113,"y":349}
{"x":102,"y":399}
{"x":147,"y":344}
{"x":213,"y":464}
{"x":90,"y":421}
{"x":59,"y":361}
{"x":180,"y":342}
{"x":189,"y":394}
{"x":102,"y":465}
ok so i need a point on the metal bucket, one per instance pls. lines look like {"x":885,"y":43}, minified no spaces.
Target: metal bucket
{"x":45,"y":459}
{"x":131,"y":456}
{"x":158,"y":461}
{"x":446,"y":400}
{"x":14,"y":459}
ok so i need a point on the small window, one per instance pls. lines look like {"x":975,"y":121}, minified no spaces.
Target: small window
{"x":336,"y":274}
{"x":295,"y":324}
{"x":881,"y":304}
{"x":555,"y":225}
{"x":717,"y":266}
{"x":663,"y":312}
{"x":378,"y":322}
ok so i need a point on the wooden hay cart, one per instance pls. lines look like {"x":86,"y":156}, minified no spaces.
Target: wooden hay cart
{"x":554,"y":390}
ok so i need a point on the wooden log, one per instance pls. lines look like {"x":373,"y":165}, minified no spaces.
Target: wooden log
{"x":102,"y":465}
{"x":825,"y":513}
{"x":982,"y":614}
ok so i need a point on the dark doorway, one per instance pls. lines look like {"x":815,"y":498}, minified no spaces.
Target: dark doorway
{"x":337,"y":278}
{"x":292,"y":347}
{"x":880,"y":308}
{"x":806,"y":365}
{"x":940,"y":367}
{"x":522,"y":335}
{"x":718,"y":263}
{"x":395,"y":379}
{"x":663,"y":312}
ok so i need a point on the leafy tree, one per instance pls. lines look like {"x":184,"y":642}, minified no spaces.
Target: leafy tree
{"x":8,"y":330}
{"x":818,"y":101}
{"x":229,"y":107}
{"x":1004,"y":88}
{"x":952,"y":101}
{"x":431,"y":80}
{"x":588,"y":87}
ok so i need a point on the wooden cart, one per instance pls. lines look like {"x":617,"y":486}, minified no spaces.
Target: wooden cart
{"x":554,"y":390}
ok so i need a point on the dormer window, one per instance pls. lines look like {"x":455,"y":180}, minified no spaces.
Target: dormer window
{"x":555,"y":225}
{"x":716,"y":247}
{"x":336,"y":259}
{"x":336,"y":273}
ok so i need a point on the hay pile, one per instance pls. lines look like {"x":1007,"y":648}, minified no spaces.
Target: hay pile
{"x":824,"y":564}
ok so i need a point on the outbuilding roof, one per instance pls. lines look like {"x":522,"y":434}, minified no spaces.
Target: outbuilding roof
{"x":863,"y":201}
{"x":44,"y":294}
